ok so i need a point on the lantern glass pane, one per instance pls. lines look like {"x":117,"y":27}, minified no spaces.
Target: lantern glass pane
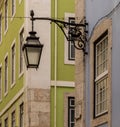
{"x":33,"y":55}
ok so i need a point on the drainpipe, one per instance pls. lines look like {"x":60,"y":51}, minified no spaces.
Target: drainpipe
{"x":55,"y":68}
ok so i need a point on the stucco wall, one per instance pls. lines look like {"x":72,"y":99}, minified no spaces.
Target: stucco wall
{"x":95,"y":12}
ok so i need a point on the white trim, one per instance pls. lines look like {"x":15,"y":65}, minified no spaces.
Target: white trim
{"x":66,"y":60}
{"x":63,"y":83}
{"x":101,"y":75}
{"x":5,"y":30}
{"x":20,"y":73}
{"x":12,"y":15}
{"x":12,"y":101}
{"x":98,"y":114}
{"x":13,"y":43}
{"x":6,"y":56}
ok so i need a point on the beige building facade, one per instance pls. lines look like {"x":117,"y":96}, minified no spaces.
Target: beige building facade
{"x":96,"y":73}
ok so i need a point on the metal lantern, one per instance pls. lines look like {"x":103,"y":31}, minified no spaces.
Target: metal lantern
{"x":32,"y":50}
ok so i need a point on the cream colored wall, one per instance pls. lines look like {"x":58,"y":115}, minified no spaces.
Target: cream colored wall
{"x":39,"y":78}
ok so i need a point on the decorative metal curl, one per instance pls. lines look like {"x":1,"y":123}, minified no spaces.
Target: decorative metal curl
{"x":77,"y":31}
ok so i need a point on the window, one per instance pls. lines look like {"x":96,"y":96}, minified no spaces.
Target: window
{"x":0,"y":83}
{"x":13,"y":64}
{"x":13,"y":7}
{"x":6,"y":15}
{"x":21,"y":115}
{"x":6,"y":122}
{"x":6,"y":75}
{"x":71,"y":111}
{"x":13,"y":119}
{"x":21,"y":55}
{"x":0,"y":27}
{"x":71,"y":49}
{"x":101,"y":74}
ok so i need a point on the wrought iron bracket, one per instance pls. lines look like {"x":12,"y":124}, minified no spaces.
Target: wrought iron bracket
{"x":77,"y":31}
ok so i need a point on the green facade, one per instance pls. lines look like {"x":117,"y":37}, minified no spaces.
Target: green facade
{"x":12,"y":34}
{"x":60,"y":100}
{"x":65,"y":72}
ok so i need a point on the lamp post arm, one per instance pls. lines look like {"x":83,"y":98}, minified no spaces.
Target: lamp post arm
{"x":58,"y":21}
{"x":76,"y":31}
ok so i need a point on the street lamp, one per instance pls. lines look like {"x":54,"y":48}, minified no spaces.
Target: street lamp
{"x":33,"y":48}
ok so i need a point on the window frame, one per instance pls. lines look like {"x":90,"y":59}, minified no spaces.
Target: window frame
{"x":66,"y":107}
{"x":21,"y":59}
{"x":13,"y":119}
{"x":13,"y":7}
{"x":6,"y":122}
{"x":99,"y":78}
{"x":21,"y":114}
{"x":6,"y":16}
{"x":71,"y":43}
{"x":6,"y":75}
{"x":71,"y":108}
{"x":13,"y":63}
{"x":67,"y":60}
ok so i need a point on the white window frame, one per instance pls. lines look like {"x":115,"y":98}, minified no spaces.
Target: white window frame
{"x":20,"y":52}
{"x":0,"y":82}
{"x":6,"y":120}
{"x":21,"y":114}
{"x":13,"y":119}
{"x":13,"y":64}
{"x":66,"y":107}
{"x":66,"y":44}
{"x":70,"y":108}
{"x":13,"y":7}
{"x":6,"y":16}
{"x":6,"y":75}
{"x":101,"y":90}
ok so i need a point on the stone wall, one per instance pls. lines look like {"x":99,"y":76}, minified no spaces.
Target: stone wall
{"x":37,"y":104}
{"x":79,"y":73}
